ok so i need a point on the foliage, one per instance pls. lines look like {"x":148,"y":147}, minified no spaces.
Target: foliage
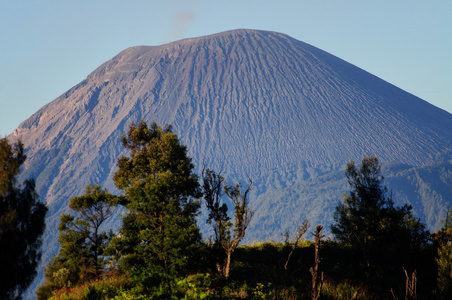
{"x":256,"y":274}
{"x":212,"y":188}
{"x":159,"y":231}
{"x":157,"y":253}
{"x":82,"y":243}
{"x":103,"y":288}
{"x":130,"y":296}
{"x":22,"y":223}
{"x":444,"y":261}
{"x":196,"y":286}
{"x":444,"y":258}
{"x":385,"y":238}
{"x":344,"y":291}
{"x":242,"y":212}
{"x":92,"y":210}
{"x":263,"y":291}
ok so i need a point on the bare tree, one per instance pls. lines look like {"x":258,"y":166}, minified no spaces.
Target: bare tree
{"x":213,"y":187}
{"x":218,"y":213}
{"x":300,"y":233}
{"x":243,"y":215}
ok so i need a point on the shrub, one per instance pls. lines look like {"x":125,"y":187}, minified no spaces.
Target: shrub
{"x":344,"y":291}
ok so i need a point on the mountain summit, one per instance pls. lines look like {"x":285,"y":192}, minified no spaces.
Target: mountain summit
{"x":254,"y":103}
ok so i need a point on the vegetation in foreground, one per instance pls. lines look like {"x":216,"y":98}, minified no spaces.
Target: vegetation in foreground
{"x":22,"y":223}
{"x":381,"y":251}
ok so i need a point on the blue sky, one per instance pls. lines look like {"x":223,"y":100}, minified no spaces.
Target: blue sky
{"x":48,"y":46}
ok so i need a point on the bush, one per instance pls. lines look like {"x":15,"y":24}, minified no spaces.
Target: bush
{"x":344,"y":291}
{"x":196,"y":287}
{"x":106,"y":288}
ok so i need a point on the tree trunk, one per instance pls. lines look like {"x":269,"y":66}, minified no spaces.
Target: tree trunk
{"x":227,"y":265}
{"x":317,"y":279}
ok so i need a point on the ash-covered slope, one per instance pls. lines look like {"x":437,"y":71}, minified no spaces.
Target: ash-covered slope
{"x":252,"y":101}
{"x":256,"y":103}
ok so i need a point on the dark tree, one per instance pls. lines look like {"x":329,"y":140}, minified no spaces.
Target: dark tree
{"x":385,"y":238}
{"x":444,"y":258}
{"x":218,"y":213}
{"x":160,"y":227}
{"x":359,"y":219}
{"x":22,"y":223}
{"x":213,"y":187}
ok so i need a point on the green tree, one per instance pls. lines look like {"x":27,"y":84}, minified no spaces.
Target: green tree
{"x":22,"y":223}
{"x":159,"y":231}
{"x":82,"y":243}
{"x":444,"y":258}
{"x":385,"y":237}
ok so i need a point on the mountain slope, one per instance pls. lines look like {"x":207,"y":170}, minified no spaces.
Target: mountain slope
{"x":251,"y":102}
{"x":265,"y":96}
{"x":427,"y":188}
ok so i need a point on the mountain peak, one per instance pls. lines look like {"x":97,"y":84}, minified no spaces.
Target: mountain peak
{"x":250,"y":94}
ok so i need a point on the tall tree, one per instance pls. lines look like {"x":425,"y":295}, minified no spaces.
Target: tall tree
{"x":383,"y":235}
{"x":242,"y":218}
{"x":213,"y":186}
{"x":359,"y":218}
{"x":82,"y":243}
{"x":22,"y":223}
{"x":444,"y":258}
{"x":160,"y":187}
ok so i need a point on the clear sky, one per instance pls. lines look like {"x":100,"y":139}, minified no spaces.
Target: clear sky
{"x":48,"y":46}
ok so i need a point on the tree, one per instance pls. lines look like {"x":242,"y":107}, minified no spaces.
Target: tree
{"x":317,"y":276}
{"x":82,"y":243}
{"x":218,"y":213}
{"x":444,"y":258}
{"x":22,"y":223}
{"x":384,"y":236}
{"x":91,"y":210}
{"x":161,"y":189}
{"x":294,"y":244}
{"x":212,"y":187}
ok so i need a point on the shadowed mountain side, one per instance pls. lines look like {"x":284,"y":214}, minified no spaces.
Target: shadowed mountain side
{"x":427,"y":188}
{"x":250,"y":102}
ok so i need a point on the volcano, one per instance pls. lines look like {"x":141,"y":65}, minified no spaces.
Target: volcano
{"x":255,"y":104}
